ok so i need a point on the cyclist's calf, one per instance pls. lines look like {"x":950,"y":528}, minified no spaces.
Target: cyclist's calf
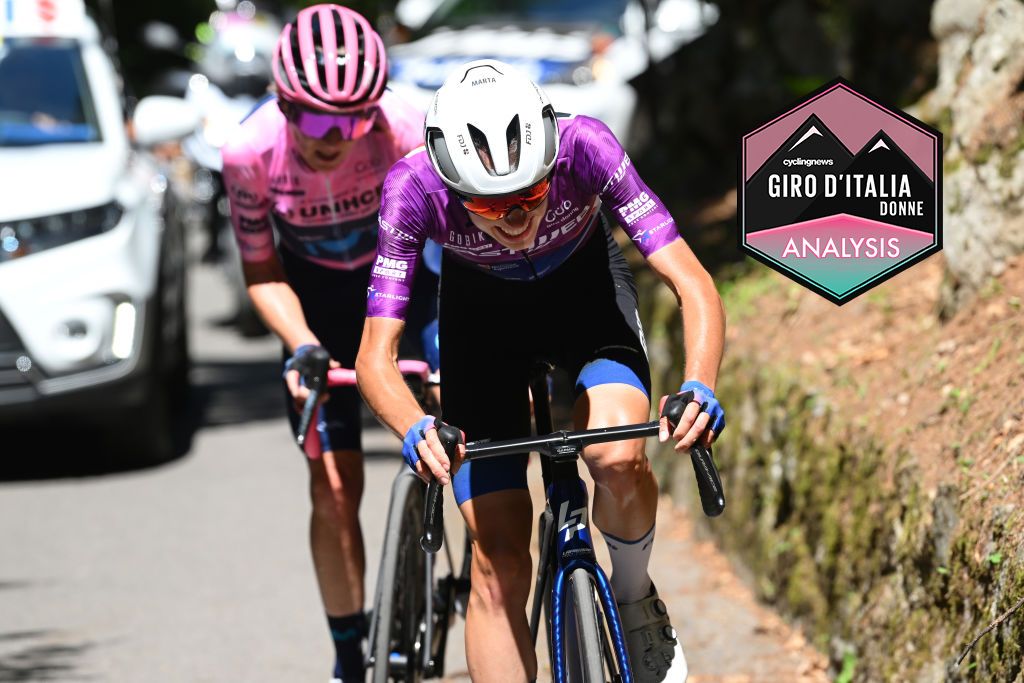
{"x":500,"y":524}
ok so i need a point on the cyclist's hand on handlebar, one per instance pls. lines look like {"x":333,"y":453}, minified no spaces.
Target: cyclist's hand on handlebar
{"x":424,"y":453}
{"x":296,"y":371}
{"x":702,"y":420}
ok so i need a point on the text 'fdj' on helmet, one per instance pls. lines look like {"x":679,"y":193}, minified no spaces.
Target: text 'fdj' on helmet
{"x":490,"y":130}
{"x":330,"y":58}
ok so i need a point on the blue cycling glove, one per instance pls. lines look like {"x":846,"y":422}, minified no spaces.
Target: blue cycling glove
{"x":413,"y":437}
{"x":709,"y":404}
{"x":289,"y":364}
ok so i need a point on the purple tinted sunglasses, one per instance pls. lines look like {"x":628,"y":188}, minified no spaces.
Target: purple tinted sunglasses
{"x":351,"y":125}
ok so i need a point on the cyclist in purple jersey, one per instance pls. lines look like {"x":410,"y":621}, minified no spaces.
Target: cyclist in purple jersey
{"x":307,"y":167}
{"x":514,"y":195}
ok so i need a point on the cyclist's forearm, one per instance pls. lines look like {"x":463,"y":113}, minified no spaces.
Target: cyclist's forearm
{"x":703,"y":330}
{"x":277,"y":304}
{"x":701,"y":308}
{"x":380,"y":382}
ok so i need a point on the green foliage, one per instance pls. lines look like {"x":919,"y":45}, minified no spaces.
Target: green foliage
{"x":989,"y":357}
{"x":849,"y":668}
{"x":801,"y":85}
{"x":741,"y":295}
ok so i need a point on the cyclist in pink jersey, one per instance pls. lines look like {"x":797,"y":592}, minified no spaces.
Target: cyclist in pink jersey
{"x":514,"y":192}
{"x":303,"y":174}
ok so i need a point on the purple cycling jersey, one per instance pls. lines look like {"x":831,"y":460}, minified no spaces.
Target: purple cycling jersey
{"x":329,"y":218}
{"x":591,"y":168}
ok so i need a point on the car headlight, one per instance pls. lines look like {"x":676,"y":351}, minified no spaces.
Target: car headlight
{"x":31,"y":235}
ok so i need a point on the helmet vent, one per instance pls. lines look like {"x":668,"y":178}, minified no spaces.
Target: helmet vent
{"x":483,"y":150}
{"x":345,"y":60}
{"x":514,"y":141}
{"x":550,"y":134}
{"x":439,"y":151}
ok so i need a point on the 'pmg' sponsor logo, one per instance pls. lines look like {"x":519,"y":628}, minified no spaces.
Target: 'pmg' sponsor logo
{"x":636,"y":208}
{"x":393,"y":269}
{"x":840,"y":193}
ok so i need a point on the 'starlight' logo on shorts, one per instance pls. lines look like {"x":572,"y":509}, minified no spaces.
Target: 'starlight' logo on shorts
{"x":840,"y":193}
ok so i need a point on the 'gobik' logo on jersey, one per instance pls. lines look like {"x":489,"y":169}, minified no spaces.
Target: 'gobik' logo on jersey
{"x":840,"y":193}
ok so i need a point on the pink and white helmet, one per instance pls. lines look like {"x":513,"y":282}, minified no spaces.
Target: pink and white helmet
{"x":330,"y":59}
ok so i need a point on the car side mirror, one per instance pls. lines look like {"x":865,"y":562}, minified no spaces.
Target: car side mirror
{"x":160,"y":119}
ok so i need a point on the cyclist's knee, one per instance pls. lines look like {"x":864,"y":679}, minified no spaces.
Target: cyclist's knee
{"x":619,"y":466}
{"x":501,"y":577}
{"x":335,"y":495}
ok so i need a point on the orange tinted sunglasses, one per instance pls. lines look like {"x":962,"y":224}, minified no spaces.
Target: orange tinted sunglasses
{"x":496,"y":208}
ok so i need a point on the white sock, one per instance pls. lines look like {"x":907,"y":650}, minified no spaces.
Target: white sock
{"x":630,"y":579}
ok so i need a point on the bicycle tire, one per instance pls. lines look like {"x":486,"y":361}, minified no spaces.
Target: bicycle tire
{"x":400,"y":603}
{"x":587,"y":627}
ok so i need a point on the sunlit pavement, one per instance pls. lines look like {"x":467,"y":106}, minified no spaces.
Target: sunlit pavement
{"x":199,"y":570}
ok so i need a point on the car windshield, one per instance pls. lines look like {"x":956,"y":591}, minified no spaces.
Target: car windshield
{"x":44,"y":94}
{"x":605,"y":13}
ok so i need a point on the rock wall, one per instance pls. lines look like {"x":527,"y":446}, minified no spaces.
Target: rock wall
{"x":892,"y":570}
{"x":979,"y":105}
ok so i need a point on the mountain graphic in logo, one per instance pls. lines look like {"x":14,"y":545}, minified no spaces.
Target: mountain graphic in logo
{"x":882,"y":184}
{"x":788,"y":183}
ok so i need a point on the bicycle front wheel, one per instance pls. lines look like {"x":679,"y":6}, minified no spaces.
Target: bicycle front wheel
{"x":400,"y":604}
{"x":588,"y":629}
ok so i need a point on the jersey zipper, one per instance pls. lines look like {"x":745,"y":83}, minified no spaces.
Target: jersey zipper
{"x":530,"y":263}
{"x":330,"y":199}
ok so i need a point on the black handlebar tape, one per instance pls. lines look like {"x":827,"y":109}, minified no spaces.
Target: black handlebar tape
{"x":709,"y":483}
{"x":307,"y":416}
{"x":433,"y":513}
{"x":314,"y":374}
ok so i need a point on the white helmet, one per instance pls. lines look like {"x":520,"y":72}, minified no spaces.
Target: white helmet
{"x":490,"y":130}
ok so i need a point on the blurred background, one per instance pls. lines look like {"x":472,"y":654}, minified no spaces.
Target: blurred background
{"x":127,"y":341}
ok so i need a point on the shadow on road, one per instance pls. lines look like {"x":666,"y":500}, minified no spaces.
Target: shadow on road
{"x":67,"y":446}
{"x":39,"y":661}
{"x":234,"y":393}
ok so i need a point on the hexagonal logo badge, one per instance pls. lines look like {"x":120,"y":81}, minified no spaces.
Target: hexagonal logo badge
{"x":840,"y":193}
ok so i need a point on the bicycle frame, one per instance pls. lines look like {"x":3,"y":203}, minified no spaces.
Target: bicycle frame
{"x":573,"y":549}
{"x":571,"y":543}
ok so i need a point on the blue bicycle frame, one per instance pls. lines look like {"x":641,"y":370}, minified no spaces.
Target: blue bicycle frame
{"x":574,"y":550}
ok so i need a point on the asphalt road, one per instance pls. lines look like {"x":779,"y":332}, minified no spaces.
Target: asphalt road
{"x":199,"y":570}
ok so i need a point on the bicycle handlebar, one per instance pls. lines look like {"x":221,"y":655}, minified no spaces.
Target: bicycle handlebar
{"x":314,"y":373}
{"x":433,"y":512}
{"x":709,"y":484}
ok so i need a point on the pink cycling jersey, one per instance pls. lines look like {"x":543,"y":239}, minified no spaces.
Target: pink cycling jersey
{"x":329,"y":218}
{"x":591,"y":168}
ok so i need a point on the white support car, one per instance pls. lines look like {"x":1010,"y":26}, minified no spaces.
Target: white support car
{"x":92,"y":285}
{"x":583,"y":53}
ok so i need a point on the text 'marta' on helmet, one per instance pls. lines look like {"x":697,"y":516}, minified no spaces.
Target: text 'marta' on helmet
{"x":490,"y":130}
{"x":330,"y":59}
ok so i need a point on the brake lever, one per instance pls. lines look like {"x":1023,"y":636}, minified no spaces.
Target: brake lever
{"x":709,"y":483}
